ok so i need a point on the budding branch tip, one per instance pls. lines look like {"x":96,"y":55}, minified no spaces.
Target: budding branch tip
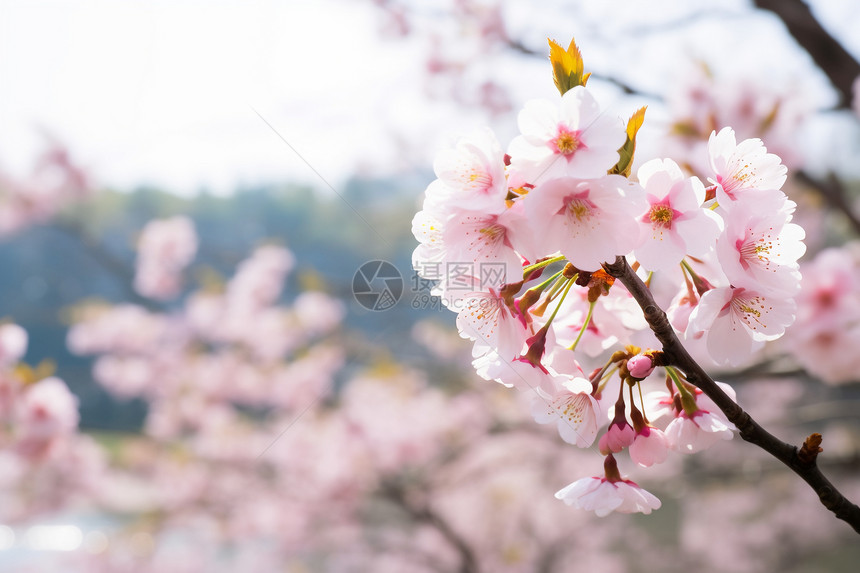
{"x":810,"y":449}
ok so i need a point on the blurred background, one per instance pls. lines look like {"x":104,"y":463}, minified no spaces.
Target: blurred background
{"x":187,"y":190}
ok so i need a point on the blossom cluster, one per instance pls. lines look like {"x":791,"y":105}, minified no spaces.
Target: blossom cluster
{"x":827,"y":332}
{"x":55,"y":182}
{"x":548,"y":213}
{"x":248,"y":452}
{"x":165,"y":247}
{"x":46,"y":464}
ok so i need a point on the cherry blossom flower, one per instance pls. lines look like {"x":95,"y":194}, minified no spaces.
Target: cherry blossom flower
{"x":828,"y":321}
{"x":618,"y":436}
{"x":512,"y":373}
{"x":427,"y":227}
{"x":742,"y":168}
{"x":13,"y":343}
{"x":574,"y":410}
{"x":472,"y":175}
{"x":603,"y":495}
{"x":589,"y":221}
{"x":165,"y":247}
{"x":47,"y":410}
{"x":693,"y":433}
{"x":486,"y":242}
{"x":650,"y":446}
{"x":675,"y":223}
{"x":573,"y":140}
{"x":734,"y":319}
{"x":486,"y":318}
{"x":260,"y":278}
{"x":759,"y":250}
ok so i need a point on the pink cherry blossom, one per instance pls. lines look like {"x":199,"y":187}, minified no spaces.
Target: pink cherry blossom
{"x":744,"y":168}
{"x":589,"y":221}
{"x":690,"y":434}
{"x":759,"y":250}
{"x":165,"y":247}
{"x":13,"y":343}
{"x":734,"y":319}
{"x":828,"y":322}
{"x":484,"y":242}
{"x":649,"y":447}
{"x":618,"y":436}
{"x":573,"y":140}
{"x":675,"y":224}
{"x":47,"y":410}
{"x":317,"y":312}
{"x":260,"y":278}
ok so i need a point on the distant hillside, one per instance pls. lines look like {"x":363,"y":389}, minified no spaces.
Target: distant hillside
{"x":88,"y":253}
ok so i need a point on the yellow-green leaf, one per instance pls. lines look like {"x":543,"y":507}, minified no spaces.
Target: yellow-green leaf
{"x":625,"y":160}
{"x":567,"y":67}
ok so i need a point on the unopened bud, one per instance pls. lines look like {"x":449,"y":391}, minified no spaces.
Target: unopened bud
{"x":640,"y":366}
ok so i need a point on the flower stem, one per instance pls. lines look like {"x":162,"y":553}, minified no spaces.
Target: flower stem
{"x":584,"y":326}
{"x":527,"y":270}
{"x":688,"y":401}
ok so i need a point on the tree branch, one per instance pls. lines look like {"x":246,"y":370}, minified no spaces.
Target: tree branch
{"x":424,"y":514}
{"x":828,"y":54}
{"x":834,"y":193}
{"x":110,"y":262}
{"x":676,"y":355}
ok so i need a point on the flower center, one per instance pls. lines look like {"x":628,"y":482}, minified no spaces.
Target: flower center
{"x":750,"y":311}
{"x":757,"y":251}
{"x":567,"y":142}
{"x":661,"y":216}
{"x":579,"y":209}
{"x":573,"y":408}
{"x":493,"y":232}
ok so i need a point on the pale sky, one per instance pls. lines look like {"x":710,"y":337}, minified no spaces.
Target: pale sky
{"x":164,"y":91}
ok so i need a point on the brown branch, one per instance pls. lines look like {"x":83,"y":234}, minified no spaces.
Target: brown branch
{"x":676,"y":355}
{"x":113,"y":264}
{"x":827,"y":53}
{"x":424,"y":514}
{"x":834,"y":193}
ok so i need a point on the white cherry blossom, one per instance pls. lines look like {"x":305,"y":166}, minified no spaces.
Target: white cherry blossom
{"x":573,"y":139}
{"x":603,"y":496}
{"x":574,"y":410}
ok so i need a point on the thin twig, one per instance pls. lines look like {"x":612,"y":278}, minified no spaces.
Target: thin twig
{"x":827,"y":53}
{"x":834,"y":193}
{"x":676,"y":355}
{"x":424,"y":514}
{"x":122,"y":271}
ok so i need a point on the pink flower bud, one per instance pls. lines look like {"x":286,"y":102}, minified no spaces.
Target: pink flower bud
{"x":640,"y":366}
{"x":619,"y":436}
{"x":13,"y":343}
